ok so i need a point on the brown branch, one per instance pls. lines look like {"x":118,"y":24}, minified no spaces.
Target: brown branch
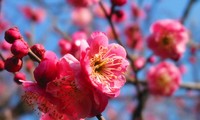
{"x":100,"y":117}
{"x":1,"y":7}
{"x":109,"y":18}
{"x":31,"y":54}
{"x":187,"y":10}
{"x":184,"y":85}
{"x":140,"y":94}
{"x":64,"y":35}
{"x":1,"y":56}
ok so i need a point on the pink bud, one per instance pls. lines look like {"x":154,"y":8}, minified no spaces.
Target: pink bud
{"x":152,"y":59}
{"x":29,"y":65}
{"x":12,"y":34}
{"x":119,"y":2}
{"x":193,"y":59}
{"x":39,"y":50}
{"x":5,"y":45}
{"x":2,"y":65}
{"x":183,"y":69}
{"x":13,"y":64}
{"x":81,"y":16}
{"x":19,"y":76}
{"x":119,"y":16}
{"x":45,"y":72}
{"x":139,"y":62}
{"x":65,"y":46}
{"x":19,"y":48}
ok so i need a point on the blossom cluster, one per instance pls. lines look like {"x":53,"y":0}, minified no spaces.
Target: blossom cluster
{"x":68,"y":88}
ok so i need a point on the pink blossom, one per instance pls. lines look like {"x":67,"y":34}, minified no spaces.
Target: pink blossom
{"x":139,"y":62}
{"x":66,"y":96}
{"x":137,"y":12}
{"x":65,"y":46}
{"x":81,"y":16}
{"x":77,"y":38}
{"x":29,"y":65}
{"x":104,"y":64}
{"x":67,"y":89}
{"x":82,"y":3}
{"x":44,"y":101}
{"x":134,"y":37}
{"x":193,"y":59}
{"x":163,"y":79}
{"x":5,"y":45}
{"x":3,"y":25}
{"x":99,"y":12}
{"x":168,"y":39}
{"x":72,"y":47}
{"x":34,"y":14}
{"x":182,"y":68}
{"x":119,"y":16}
{"x":110,"y":34}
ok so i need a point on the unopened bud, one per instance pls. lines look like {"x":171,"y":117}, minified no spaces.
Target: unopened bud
{"x":12,"y":34}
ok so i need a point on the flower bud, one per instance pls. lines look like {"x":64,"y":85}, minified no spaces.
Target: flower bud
{"x":5,"y":45}
{"x":65,"y":46}
{"x":19,"y":76}
{"x":45,"y":72}
{"x":29,"y":65}
{"x":13,"y":64}
{"x":119,"y":2}
{"x":2,"y":65}
{"x":12,"y":34}
{"x":19,"y":48}
{"x":119,"y":16}
{"x":39,"y":50}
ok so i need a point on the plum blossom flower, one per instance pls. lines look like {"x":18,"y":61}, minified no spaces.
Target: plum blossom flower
{"x":119,"y":16}
{"x":134,"y":37}
{"x":3,"y":24}
{"x":168,"y":39}
{"x":72,"y":47}
{"x":163,"y":79}
{"x":137,"y":12}
{"x":99,"y":12}
{"x":104,"y":64}
{"x":81,"y":16}
{"x":60,"y":92}
{"x":34,"y":14}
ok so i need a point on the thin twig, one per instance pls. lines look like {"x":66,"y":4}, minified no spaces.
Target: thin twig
{"x":100,"y":117}
{"x":187,"y":10}
{"x":1,"y":7}
{"x":184,"y":85}
{"x":64,"y":35}
{"x":30,"y":53}
{"x":1,"y":56}
{"x":109,"y":18}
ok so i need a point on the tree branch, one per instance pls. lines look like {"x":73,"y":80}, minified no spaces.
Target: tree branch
{"x":30,"y":53}
{"x":185,"y":85}
{"x":187,"y":10}
{"x":100,"y":117}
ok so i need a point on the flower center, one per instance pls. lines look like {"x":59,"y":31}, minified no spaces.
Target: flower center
{"x":163,"y":80}
{"x":104,"y":65}
{"x":166,"y":41}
